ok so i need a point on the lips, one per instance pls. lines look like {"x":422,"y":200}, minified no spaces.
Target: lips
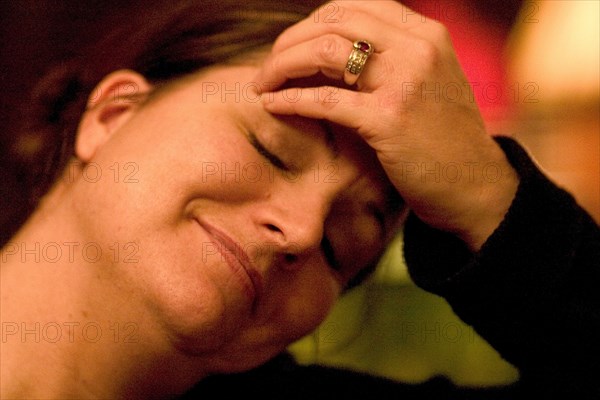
{"x":235,"y":256}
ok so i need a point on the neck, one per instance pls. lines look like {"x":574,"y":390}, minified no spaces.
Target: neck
{"x":68,"y":329}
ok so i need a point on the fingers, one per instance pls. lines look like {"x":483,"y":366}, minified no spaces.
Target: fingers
{"x":344,"y":22}
{"x":327,"y":54}
{"x":391,"y":12}
{"x":355,"y":20}
{"x":323,"y":43}
{"x":326,"y":102}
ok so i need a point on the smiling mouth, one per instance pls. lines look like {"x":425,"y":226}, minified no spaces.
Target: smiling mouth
{"x":235,"y":256}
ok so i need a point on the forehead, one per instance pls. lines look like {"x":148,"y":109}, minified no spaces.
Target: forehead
{"x":231,"y":92}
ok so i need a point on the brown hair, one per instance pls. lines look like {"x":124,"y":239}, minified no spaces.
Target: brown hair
{"x":162,"y":43}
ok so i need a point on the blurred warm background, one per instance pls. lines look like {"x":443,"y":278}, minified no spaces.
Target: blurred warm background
{"x":534,"y":66}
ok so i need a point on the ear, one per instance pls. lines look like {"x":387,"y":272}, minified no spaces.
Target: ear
{"x":114,"y":100}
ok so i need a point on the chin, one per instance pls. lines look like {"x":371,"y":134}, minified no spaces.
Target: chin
{"x":256,"y":346}
{"x":199,"y":327}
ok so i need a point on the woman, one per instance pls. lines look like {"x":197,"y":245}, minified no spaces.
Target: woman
{"x":212,"y":196}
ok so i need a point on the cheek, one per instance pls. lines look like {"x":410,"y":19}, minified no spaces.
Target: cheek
{"x":303,"y":300}
{"x":353,"y":236}
{"x":161,"y":259}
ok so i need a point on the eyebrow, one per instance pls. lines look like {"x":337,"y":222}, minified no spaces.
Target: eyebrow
{"x":330,"y":142}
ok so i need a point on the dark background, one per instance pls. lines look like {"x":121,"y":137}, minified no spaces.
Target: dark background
{"x":37,"y":33}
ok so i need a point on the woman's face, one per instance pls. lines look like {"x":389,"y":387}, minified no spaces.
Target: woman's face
{"x":246,"y":226}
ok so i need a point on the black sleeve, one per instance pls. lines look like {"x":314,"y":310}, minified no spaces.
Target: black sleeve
{"x":533,"y":290}
{"x":284,"y":379}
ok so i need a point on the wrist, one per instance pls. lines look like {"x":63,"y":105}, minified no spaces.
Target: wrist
{"x":487,"y":204}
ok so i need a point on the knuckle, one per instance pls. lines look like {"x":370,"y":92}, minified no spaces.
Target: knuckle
{"x":427,"y":53}
{"x":439,"y":32}
{"x":327,"y":48}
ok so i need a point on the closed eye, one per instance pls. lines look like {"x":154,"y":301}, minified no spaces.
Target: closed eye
{"x":262,"y":150}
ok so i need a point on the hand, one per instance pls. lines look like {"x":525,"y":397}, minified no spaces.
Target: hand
{"x":411,"y":103}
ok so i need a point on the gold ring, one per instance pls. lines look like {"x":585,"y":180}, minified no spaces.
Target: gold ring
{"x":361,"y":50}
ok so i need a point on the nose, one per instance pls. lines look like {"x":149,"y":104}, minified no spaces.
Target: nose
{"x":294,"y":223}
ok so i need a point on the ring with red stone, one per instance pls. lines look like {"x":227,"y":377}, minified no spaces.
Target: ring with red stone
{"x":361,"y":50}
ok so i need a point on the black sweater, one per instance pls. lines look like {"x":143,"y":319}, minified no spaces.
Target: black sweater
{"x":531,"y":292}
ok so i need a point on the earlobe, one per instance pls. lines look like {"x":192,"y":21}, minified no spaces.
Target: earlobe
{"x":110,"y":105}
